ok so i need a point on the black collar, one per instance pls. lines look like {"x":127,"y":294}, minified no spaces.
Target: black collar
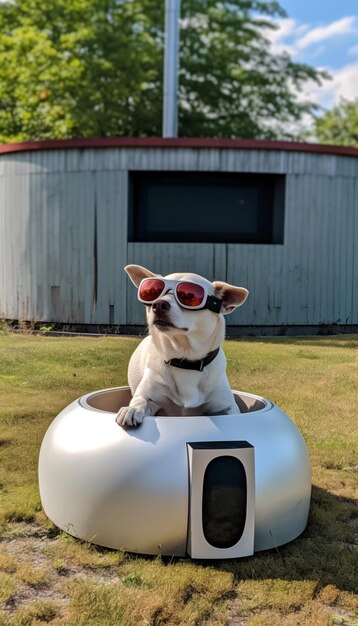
{"x":185,"y":364}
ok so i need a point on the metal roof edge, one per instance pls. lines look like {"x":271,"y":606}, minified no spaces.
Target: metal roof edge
{"x":181,"y":142}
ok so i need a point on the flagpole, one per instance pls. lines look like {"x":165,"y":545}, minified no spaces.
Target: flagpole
{"x":171,"y":68}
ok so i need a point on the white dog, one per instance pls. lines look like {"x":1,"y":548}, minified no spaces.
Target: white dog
{"x":180,"y":368}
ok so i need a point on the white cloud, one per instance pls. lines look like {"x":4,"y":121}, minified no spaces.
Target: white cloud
{"x":344,"y":84}
{"x":353,"y":50}
{"x":293,"y":37}
{"x":340,"y":27}
{"x":286,"y":28}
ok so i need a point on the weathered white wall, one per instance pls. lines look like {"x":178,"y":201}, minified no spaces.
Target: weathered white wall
{"x":63,"y":237}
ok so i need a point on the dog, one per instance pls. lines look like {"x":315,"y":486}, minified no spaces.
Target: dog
{"x":180,"y":368}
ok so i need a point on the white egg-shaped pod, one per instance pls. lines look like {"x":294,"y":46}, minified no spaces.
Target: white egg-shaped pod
{"x":133,"y":488}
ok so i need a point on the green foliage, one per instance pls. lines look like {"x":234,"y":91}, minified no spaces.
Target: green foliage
{"x":75,"y":68}
{"x":231,"y":85}
{"x":340,"y":125}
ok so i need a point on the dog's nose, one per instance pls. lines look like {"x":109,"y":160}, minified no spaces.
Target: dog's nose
{"x":160,"y":306}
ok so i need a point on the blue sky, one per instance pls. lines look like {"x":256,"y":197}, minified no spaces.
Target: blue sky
{"x":324,"y":34}
{"x":337,"y":24}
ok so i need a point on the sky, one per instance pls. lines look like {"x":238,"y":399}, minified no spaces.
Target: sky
{"x":324,"y":34}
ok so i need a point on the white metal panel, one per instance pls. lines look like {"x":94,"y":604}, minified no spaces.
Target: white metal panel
{"x":347,"y":166}
{"x":354,"y":206}
{"x":111,"y":223}
{"x":15,"y":266}
{"x":309,"y":279}
{"x":69,"y":204}
{"x":252,"y":266}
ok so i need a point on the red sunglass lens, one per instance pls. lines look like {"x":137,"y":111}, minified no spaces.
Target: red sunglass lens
{"x":190,"y":294}
{"x":151,"y":289}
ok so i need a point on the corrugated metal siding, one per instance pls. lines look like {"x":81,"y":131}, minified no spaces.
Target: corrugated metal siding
{"x":63,"y":237}
{"x":111,"y":218}
{"x":67,"y":255}
{"x":354,"y":222}
{"x":15,"y":275}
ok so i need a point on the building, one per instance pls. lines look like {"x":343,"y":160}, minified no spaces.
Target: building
{"x":279,"y":218}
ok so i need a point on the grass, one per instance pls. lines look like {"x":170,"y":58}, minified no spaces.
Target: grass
{"x":48,"y":577}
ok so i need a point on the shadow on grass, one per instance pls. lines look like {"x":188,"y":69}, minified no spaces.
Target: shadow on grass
{"x":324,"y":552}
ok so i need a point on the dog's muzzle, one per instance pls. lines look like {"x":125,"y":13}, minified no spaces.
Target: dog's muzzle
{"x":160,"y":307}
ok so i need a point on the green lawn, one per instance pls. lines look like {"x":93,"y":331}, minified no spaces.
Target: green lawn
{"x":48,"y":577}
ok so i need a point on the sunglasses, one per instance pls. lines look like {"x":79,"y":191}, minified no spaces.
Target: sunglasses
{"x":187,"y":294}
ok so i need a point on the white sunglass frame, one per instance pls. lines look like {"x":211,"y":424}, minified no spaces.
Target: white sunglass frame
{"x":174,"y":284}
{"x":210,"y":301}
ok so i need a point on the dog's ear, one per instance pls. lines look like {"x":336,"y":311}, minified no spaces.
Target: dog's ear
{"x":136,"y":273}
{"x":231,"y":296}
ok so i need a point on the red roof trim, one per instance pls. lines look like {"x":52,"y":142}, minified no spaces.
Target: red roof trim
{"x":182,"y":142}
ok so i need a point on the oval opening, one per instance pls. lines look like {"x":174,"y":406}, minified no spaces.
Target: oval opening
{"x":109,"y":400}
{"x":224,"y":501}
{"x":112,"y":399}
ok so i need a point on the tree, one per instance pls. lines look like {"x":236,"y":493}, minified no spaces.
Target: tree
{"x":94,"y":68}
{"x":340,"y":125}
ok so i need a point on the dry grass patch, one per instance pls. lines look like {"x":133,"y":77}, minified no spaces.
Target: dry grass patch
{"x":149,"y":592}
{"x":7,"y":587}
{"x":7,"y":563}
{"x":36,"y":614}
{"x":312,"y":614}
{"x":32,"y":576}
{"x":276,"y":594}
{"x":343,"y":600}
{"x":68,"y":552}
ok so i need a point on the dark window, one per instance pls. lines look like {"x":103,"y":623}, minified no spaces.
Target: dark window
{"x":224,"y":501}
{"x":206,"y":207}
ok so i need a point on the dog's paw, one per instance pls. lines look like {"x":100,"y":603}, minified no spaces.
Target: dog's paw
{"x":130,"y":416}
